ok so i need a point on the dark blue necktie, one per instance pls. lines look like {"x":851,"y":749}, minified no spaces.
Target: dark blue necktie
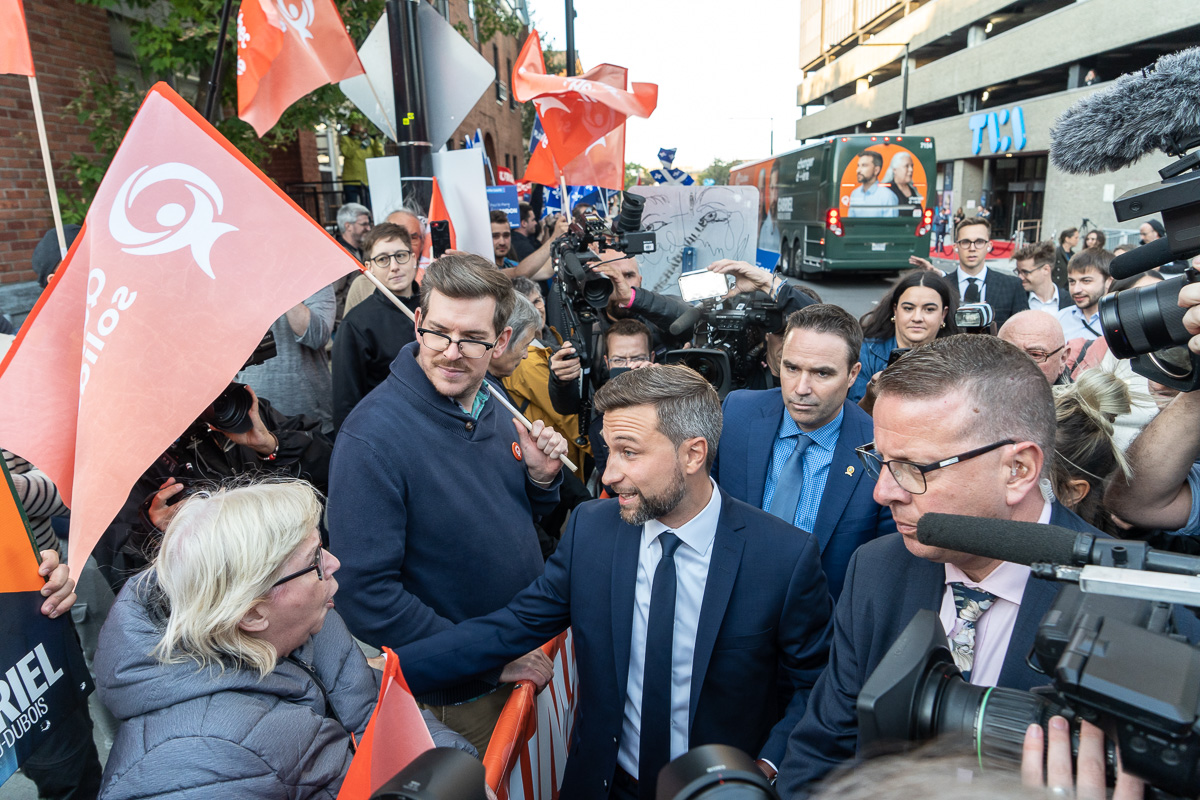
{"x":654,"y":746}
{"x":791,"y":483}
{"x":972,"y":295}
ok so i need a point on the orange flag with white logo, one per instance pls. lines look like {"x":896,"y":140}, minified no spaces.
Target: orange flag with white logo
{"x":15,"y":56}
{"x":576,"y":112}
{"x":438,"y":212}
{"x":187,"y":256}
{"x":286,"y":49}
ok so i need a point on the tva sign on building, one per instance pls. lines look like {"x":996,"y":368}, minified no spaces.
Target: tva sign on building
{"x":991,"y":122}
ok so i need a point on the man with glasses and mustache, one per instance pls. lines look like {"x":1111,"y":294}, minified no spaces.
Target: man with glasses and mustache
{"x":374,"y":331}
{"x":434,"y":489}
{"x":973,"y":282}
{"x":986,"y":457}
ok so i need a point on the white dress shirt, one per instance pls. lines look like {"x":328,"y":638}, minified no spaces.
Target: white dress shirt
{"x":1038,"y":304}
{"x":963,"y":284}
{"x":994,"y":629}
{"x":691,"y":573}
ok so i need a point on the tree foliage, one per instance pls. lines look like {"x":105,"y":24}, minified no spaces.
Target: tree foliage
{"x":635,"y":173}
{"x":718,"y":171}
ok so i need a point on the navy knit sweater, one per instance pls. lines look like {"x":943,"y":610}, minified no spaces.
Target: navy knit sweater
{"x":430,"y":512}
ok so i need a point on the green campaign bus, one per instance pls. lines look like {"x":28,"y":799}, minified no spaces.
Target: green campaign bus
{"x":845,"y":203}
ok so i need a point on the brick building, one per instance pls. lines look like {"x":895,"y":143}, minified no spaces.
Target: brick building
{"x":66,"y":37}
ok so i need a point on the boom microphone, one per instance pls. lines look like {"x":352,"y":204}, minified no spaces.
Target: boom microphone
{"x":1139,"y":259}
{"x":686,"y":321}
{"x":1153,"y":109}
{"x":1033,"y":543}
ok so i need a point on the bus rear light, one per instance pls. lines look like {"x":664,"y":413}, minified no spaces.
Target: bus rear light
{"x":926,"y":223}
{"x":833,"y":222}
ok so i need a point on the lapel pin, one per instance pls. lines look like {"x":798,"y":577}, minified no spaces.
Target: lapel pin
{"x":850,"y":471}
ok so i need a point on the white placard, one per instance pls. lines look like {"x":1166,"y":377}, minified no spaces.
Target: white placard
{"x":460,"y":178}
{"x":719,"y":221}
{"x":383,"y":176}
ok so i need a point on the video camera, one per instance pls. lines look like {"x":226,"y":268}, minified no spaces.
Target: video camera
{"x":1109,"y":652}
{"x":730,"y":339}
{"x":586,"y":290}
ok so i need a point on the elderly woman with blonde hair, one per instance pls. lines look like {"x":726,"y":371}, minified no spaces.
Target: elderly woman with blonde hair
{"x":225,"y":661}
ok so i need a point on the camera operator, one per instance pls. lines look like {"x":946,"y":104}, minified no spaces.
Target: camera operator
{"x":987,"y":458}
{"x":275,"y":444}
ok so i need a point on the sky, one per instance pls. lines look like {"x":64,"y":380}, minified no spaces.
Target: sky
{"x":724,"y":70}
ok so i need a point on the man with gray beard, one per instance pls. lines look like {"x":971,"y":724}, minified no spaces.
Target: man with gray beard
{"x":697,"y":618}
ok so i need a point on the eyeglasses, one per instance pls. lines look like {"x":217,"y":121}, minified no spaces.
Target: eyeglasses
{"x":1040,"y":356}
{"x":909,"y":476}
{"x":318,"y":565}
{"x":401,"y":257}
{"x":972,"y":244}
{"x":628,"y":361}
{"x":1025,"y":273}
{"x":439,"y":342}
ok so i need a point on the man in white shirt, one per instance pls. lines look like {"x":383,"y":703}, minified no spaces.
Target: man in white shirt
{"x":870,"y":198}
{"x":1035,"y":264}
{"x":1089,"y":280}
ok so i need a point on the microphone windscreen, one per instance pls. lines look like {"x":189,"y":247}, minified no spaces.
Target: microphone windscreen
{"x":686,"y":321}
{"x":1018,"y":542}
{"x":1139,"y":259}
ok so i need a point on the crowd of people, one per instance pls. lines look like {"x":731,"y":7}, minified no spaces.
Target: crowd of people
{"x":733,"y":568}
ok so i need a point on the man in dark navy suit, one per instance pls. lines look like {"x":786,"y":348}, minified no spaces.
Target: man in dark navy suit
{"x":790,"y":451}
{"x":973,"y":281}
{"x":697,"y":618}
{"x":964,"y":425}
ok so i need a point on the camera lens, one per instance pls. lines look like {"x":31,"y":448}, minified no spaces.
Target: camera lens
{"x":1145,"y":320}
{"x":230,"y":412}
{"x":596,"y":291}
{"x":631,"y":213}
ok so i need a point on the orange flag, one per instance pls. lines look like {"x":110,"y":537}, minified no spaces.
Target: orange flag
{"x":286,"y":49}
{"x":438,"y":211}
{"x":577,"y":112}
{"x":397,"y":725}
{"x":15,"y":57}
{"x":187,"y":256}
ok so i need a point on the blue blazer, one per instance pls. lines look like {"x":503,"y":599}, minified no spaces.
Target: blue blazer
{"x":764,"y":630}
{"x":885,"y":587}
{"x":848,"y":516}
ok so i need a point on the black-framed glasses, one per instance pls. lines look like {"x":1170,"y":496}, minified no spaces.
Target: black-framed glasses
{"x":909,"y":476}
{"x":1041,"y":356}
{"x":384,"y":261}
{"x":318,"y":564}
{"x":1025,"y":273}
{"x":470,"y":348}
{"x":972,"y":244}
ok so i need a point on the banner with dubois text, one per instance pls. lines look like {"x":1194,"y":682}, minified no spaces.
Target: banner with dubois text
{"x":42,"y":674}
{"x":527,"y":755}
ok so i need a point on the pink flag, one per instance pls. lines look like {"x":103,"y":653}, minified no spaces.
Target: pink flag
{"x":286,"y":49}
{"x":15,"y":57}
{"x":187,"y":256}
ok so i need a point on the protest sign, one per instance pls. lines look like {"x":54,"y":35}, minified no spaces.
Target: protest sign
{"x":719,"y":221}
{"x":43,"y":677}
{"x":504,"y":198}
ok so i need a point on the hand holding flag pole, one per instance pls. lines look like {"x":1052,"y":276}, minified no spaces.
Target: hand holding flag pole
{"x":517,"y":415}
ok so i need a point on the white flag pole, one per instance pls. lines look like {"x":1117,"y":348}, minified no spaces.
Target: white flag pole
{"x":517,"y":415}
{"x":41,"y":129}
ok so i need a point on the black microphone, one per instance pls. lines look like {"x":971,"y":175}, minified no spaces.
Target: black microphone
{"x":1033,"y":543}
{"x":1139,"y":259}
{"x":1144,"y":111}
{"x":686,"y":321}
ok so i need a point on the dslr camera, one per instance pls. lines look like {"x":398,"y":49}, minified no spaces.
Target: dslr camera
{"x":729,"y":340}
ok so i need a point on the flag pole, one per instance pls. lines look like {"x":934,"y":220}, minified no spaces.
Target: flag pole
{"x":41,"y":129}
{"x":214,"y":77}
{"x":517,"y":415}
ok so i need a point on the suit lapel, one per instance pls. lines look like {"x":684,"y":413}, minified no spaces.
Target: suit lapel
{"x":839,"y":484}
{"x":624,"y":583}
{"x":1035,"y":602}
{"x":722,"y":573}
{"x":758,"y":452}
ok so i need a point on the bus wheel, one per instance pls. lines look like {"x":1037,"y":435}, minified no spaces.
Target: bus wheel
{"x":807,"y":274}
{"x":786,"y":265}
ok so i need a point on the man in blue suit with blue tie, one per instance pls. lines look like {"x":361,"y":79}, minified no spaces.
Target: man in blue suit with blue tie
{"x":964,"y":425}
{"x":790,"y":451}
{"x":698,"y":619}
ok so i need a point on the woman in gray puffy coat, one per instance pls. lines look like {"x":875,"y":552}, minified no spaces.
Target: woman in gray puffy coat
{"x":225,"y":662}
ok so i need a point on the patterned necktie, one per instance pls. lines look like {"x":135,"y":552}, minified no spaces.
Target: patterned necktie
{"x":970,"y":603}
{"x":972,"y":295}
{"x":654,"y":745}
{"x":791,"y":482}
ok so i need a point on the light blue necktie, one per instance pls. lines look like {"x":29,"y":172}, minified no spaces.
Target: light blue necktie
{"x":791,"y":482}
